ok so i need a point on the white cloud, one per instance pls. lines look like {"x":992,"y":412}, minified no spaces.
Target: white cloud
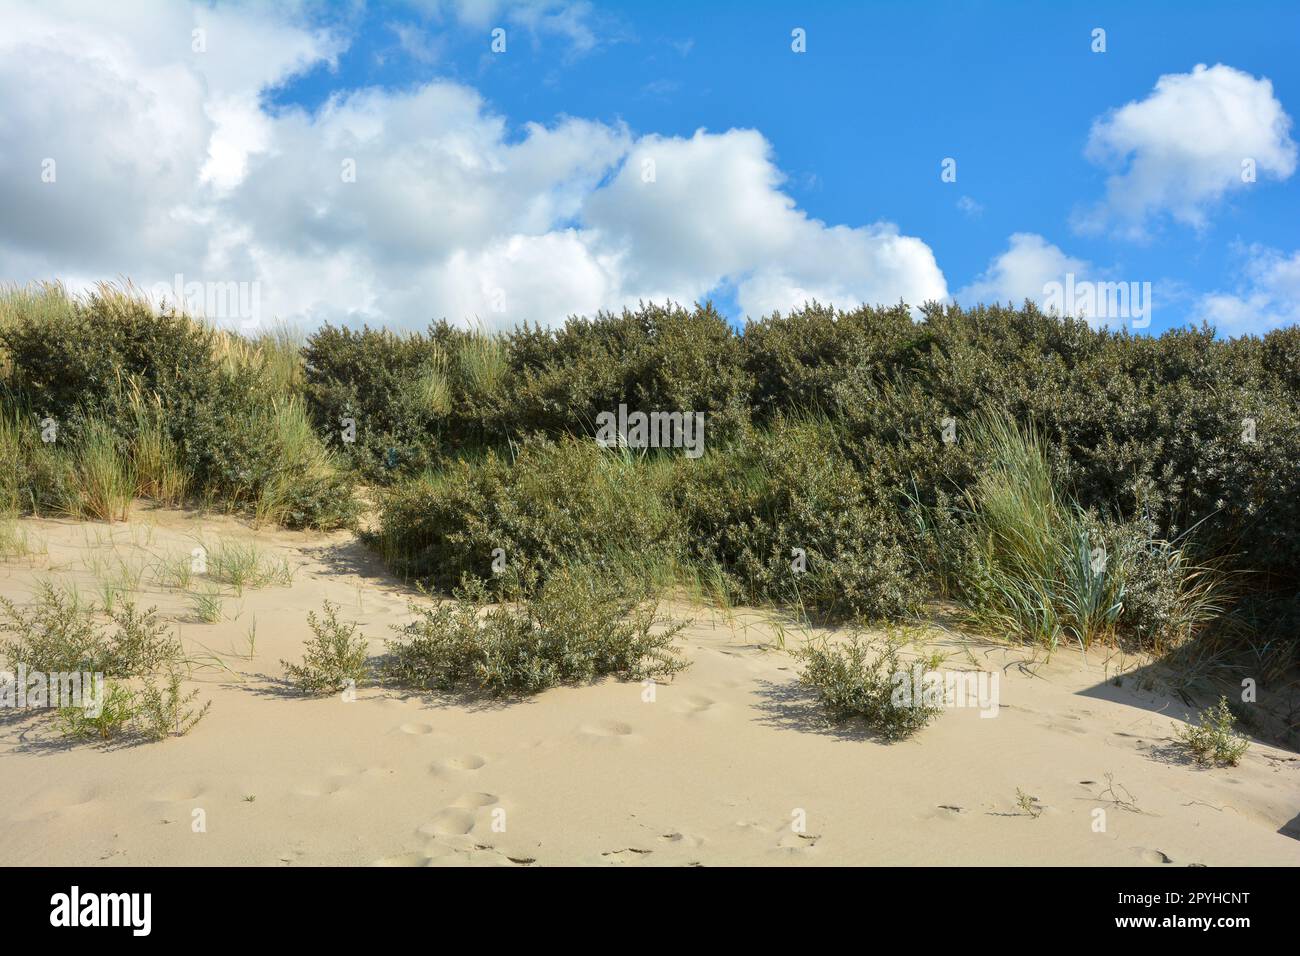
{"x":168,"y":163}
{"x":575,"y":22}
{"x":1180,"y":151}
{"x":1021,"y":272}
{"x":1267,"y":296}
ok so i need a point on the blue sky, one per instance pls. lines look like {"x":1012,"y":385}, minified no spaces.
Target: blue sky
{"x":850,"y":133}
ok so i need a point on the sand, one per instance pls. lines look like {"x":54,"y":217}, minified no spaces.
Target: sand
{"x":728,"y":764}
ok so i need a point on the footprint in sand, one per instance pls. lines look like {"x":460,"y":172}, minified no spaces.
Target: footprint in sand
{"x":606,"y":731}
{"x":61,"y":801}
{"x":475,"y":800}
{"x":677,"y":838}
{"x":416,"y":730}
{"x":698,"y":706}
{"x":465,"y":763}
{"x":180,"y":792}
{"x":317,"y":789}
{"x":452,"y":821}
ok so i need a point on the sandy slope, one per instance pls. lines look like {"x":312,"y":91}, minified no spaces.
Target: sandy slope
{"x":713,"y":771}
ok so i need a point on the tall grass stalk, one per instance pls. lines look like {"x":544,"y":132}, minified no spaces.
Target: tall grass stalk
{"x":104,"y":477}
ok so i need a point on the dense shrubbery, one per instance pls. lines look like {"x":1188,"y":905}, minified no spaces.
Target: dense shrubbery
{"x":107,"y":398}
{"x":789,"y":520}
{"x":508,"y":521}
{"x":826,"y":431}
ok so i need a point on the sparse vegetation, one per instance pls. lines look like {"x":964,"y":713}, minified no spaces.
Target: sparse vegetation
{"x":1214,"y":741}
{"x":60,"y":633}
{"x":135,"y":653}
{"x":335,"y":657}
{"x":1028,"y":805}
{"x":241,"y":563}
{"x":206,"y":605}
{"x":162,"y":710}
{"x":575,"y":627}
{"x":854,"y":684}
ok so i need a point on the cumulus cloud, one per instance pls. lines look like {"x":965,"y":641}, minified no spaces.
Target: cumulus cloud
{"x":394,"y":206}
{"x":1182,"y":149}
{"x":1029,"y":263}
{"x":1267,"y":295}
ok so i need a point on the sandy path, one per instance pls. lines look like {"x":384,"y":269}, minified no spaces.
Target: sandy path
{"x":717,"y":769}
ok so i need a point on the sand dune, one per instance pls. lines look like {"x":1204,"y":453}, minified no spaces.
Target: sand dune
{"x":727,"y":765}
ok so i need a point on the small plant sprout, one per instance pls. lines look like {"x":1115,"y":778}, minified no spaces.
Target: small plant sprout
{"x":1027,"y":804}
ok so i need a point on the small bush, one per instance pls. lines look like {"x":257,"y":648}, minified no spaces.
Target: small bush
{"x":155,"y":712}
{"x":1214,"y":742}
{"x":853,"y":684}
{"x":335,"y":658}
{"x":113,"y":720}
{"x":555,"y":503}
{"x":575,"y":628}
{"x":161,"y":710}
{"x":58,"y":633}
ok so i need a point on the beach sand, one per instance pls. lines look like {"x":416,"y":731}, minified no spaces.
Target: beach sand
{"x":728,"y":764}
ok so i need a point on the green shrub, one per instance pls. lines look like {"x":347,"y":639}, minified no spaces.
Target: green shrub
{"x":853,"y":684}
{"x":162,"y":710}
{"x":155,"y":712}
{"x":156,"y":403}
{"x":788,"y":487}
{"x":576,"y":627}
{"x":556,"y":503}
{"x":1214,"y":742}
{"x":83,"y":354}
{"x":59,"y":633}
{"x":335,"y":658}
{"x":1027,"y":561}
{"x":393,"y":386}
{"x":112,"y":721}
{"x":658,"y":358}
